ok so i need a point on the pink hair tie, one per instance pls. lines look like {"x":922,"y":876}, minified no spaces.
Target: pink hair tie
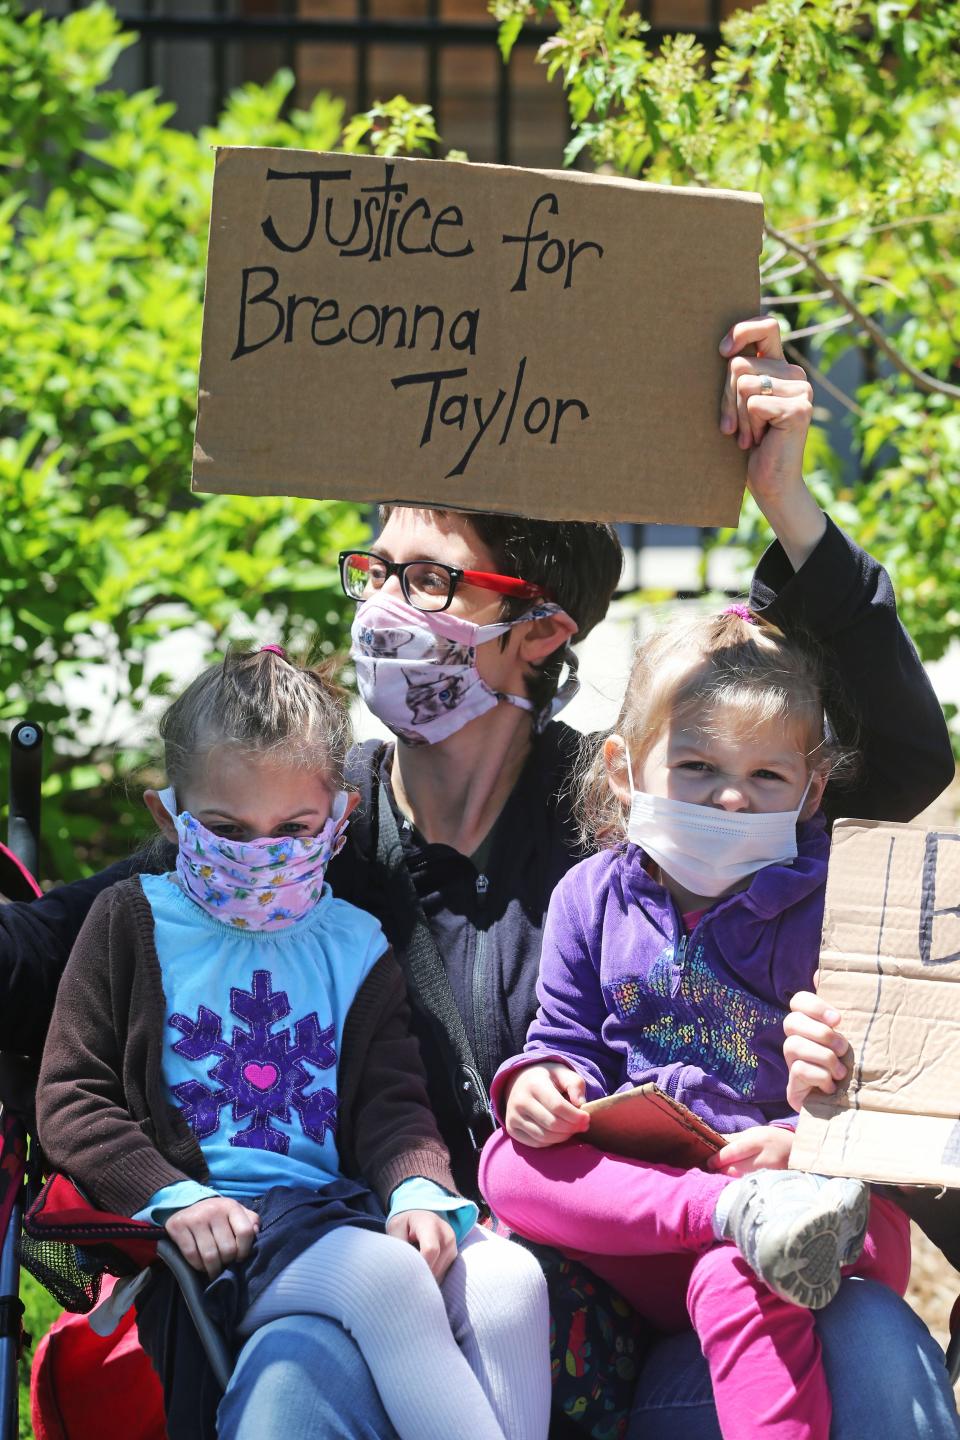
{"x":274,"y":650}
{"x":743,"y":611}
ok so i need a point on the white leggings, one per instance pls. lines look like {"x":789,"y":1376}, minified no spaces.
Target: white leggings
{"x":468,"y":1360}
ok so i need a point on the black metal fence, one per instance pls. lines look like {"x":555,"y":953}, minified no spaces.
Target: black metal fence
{"x":196,"y":52}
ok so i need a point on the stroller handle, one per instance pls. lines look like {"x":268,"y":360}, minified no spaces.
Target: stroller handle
{"x":23,"y":821}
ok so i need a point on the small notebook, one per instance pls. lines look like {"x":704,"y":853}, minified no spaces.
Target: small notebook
{"x":647,"y":1124}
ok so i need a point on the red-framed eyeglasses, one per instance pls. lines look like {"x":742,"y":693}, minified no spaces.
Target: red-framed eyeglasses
{"x":426,"y":584}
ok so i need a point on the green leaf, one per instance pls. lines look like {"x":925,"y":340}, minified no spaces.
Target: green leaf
{"x":778,"y":94}
{"x":508,"y":34}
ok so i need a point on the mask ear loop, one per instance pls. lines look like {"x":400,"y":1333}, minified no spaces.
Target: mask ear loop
{"x":340,"y":802}
{"x":626,"y":749}
{"x":168,"y":800}
{"x":567,"y":691}
{"x":803,"y":797}
{"x":337,"y":823}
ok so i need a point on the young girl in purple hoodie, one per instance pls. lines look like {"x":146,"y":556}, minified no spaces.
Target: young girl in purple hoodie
{"x":671,"y":956}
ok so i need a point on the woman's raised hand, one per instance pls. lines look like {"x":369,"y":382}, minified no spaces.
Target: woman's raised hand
{"x":814,"y":1049}
{"x":213,"y":1233}
{"x":430,"y":1234}
{"x":767,"y":404}
{"x":543,"y":1105}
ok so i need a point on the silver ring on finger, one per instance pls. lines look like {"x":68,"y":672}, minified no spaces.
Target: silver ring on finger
{"x":766,"y":385}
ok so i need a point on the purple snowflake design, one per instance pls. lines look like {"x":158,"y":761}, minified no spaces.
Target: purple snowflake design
{"x":261,"y":1074}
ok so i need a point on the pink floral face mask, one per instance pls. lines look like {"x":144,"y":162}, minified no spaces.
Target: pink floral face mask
{"x":255,"y":884}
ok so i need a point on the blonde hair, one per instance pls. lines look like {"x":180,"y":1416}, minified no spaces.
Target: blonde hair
{"x":259,"y":701}
{"x":693,"y":666}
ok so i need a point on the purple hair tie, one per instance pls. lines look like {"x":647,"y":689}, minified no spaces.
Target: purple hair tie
{"x":743,"y":611}
{"x":274,"y":650}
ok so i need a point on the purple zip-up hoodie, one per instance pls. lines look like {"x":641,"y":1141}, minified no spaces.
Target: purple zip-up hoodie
{"x":627,"y":997}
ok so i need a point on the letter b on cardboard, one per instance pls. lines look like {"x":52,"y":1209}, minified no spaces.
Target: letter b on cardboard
{"x":890,"y":963}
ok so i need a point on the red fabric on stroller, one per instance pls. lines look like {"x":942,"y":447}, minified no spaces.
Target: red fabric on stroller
{"x":61,"y":1213}
{"x":13,"y":1161}
{"x":87,"y":1387}
{"x":68,"y":1245}
{"x":84,"y":1386}
{"x":16,"y":882}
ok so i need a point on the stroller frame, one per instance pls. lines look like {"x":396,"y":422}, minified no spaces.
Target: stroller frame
{"x":23,"y":842}
{"x":21,"y":855}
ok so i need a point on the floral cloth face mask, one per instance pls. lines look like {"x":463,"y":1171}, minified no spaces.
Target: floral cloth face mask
{"x":417,"y":669}
{"x":255,"y":884}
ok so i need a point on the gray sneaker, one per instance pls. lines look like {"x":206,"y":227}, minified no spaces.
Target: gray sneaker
{"x":796,"y":1230}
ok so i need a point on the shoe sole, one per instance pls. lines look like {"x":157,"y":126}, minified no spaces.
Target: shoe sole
{"x":806,"y":1269}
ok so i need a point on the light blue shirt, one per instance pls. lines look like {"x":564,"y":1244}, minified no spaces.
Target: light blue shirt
{"x":253,"y":1027}
{"x":417,"y":1193}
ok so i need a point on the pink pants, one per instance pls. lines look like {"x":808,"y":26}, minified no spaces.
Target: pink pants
{"x":648,"y":1231}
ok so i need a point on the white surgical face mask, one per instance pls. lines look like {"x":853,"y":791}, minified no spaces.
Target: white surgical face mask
{"x":417,"y":669}
{"x":705,"y":849}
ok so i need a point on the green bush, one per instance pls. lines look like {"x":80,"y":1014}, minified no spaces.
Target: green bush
{"x":40,"y":1311}
{"x":843,"y":114}
{"x":103,"y":551}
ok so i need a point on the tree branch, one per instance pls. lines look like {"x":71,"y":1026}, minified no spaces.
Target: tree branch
{"x":822,"y":329}
{"x":839,"y":395}
{"x":786,"y":274}
{"x":923,"y":381}
{"x":905,"y":223}
{"x":779,"y":274}
{"x":805,"y":226}
{"x":771,"y":302}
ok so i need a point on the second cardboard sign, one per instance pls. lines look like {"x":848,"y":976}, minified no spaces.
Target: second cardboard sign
{"x":890,"y":964}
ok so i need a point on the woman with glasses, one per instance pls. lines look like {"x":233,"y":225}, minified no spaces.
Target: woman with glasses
{"x":461,"y":638}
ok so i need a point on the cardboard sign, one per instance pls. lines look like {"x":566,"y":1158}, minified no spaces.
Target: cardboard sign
{"x":474,"y":336}
{"x":890,"y":963}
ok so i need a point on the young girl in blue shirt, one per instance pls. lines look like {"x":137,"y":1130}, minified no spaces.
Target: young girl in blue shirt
{"x":230,"y":1057}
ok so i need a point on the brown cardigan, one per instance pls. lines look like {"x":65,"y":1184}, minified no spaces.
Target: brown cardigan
{"x":103,"y":1115}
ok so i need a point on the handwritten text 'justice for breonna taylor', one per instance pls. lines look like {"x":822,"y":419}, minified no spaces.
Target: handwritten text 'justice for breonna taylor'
{"x":385,"y":222}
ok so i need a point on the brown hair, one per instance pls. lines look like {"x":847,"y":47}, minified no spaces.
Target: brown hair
{"x":694,"y":665}
{"x":579,"y":562}
{"x":259,"y":701}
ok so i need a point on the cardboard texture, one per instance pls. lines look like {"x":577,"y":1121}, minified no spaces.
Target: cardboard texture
{"x":890,"y":963}
{"x":475,"y":336}
{"x":647,"y":1124}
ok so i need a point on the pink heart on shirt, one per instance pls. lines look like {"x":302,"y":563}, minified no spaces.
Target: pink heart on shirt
{"x":261,"y":1077}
